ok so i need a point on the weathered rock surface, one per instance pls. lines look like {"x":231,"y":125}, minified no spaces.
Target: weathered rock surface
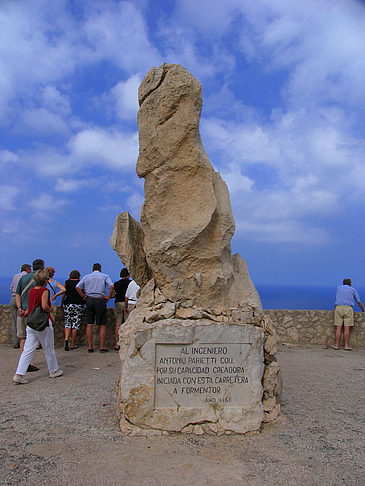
{"x":196,"y":297}
{"x":127,"y":241}
{"x":186,"y":220}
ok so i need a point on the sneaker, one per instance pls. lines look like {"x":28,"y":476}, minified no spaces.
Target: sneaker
{"x":20,"y":380}
{"x":56,"y":374}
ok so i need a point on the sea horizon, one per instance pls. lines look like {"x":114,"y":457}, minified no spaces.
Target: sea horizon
{"x":272,"y":296}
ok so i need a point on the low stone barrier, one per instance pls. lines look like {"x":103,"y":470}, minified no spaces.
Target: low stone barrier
{"x":5,"y":328}
{"x":313,"y":327}
{"x":292,"y":326}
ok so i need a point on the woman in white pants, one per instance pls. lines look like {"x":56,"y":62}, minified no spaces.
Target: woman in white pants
{"x":46,"y":337}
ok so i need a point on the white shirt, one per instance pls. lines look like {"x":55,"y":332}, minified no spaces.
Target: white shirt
{"x":131,"y":293}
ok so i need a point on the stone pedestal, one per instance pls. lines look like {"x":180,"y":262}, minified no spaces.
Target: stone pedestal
{"x":186,"y":375}
{"x":197,"y":345}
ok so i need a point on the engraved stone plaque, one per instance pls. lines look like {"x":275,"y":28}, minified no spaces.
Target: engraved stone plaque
{"x":179,"y":373}
{"x":199,"y":375}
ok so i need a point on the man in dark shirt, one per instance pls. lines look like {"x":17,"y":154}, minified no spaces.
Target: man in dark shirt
{"x":120,"y":288}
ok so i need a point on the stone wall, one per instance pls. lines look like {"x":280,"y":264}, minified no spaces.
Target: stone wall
{"x":5,"y":328}
{"x":313,"y":327}
{"x":292,"y":326}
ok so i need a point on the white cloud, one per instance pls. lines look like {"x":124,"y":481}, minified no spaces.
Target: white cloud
{"x":302,"y":160}
{"x":118,"y":32}
{"x":213,"y":17}
{"x":236,"y":181}
{"x":111,"y":148}
{"x":282,"y":173}
{"x":321,"y":43}
{"x":46,"y":203}
{"x":8,"y":195}
{"x":134,"y":204}
{"x":41,"y":122}
{"x":27,"y":46}
{"x":48,"y":161}
{"x":6,"y":157}
{"x":45,"y":46}
{"x":12,"y":227}
{"x":286,"y":231}
{"x":125,"y":97}
{"x":55,"y":101}
{"x":249,"y":142}
{"x":70,"y":185}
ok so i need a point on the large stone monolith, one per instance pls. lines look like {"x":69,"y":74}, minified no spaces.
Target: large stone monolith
{"x":195,"y":348}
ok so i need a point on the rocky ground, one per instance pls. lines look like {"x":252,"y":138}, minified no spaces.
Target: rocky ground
{"x":64,"y":431}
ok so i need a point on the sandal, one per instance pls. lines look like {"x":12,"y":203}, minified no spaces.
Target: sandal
{"x":348,"y":348}
{"x":117,"y":348}
{"x":74,"y":346}
{"x":103,"y":350}
{"x":91,"y":350}
{"x":32,"y":368}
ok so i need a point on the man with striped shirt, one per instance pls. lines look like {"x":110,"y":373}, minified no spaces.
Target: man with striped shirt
{"x":25,"y":268}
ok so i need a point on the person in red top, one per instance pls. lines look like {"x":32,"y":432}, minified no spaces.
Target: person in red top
{"x":40,"y":294}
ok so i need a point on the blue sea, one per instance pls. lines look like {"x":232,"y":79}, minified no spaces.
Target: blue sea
{"x":272,"y":296}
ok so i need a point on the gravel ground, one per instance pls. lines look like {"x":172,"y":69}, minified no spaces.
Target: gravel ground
{"x":64,"y":431}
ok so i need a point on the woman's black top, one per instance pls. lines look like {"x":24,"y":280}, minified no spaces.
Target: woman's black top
{"x":120,"y":288}
{"x":71,"y":296}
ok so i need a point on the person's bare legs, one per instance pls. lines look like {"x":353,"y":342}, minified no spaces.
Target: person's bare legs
{"x":338,"y":336}
{"x":102,"y":336}
{"x":116,"y":334}
{"x":67,"y":333}
{"x":89,"y":335}
{"x":73,"y":337}
{"x":347,"y":337}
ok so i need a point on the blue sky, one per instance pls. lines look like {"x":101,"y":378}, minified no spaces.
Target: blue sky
{"x":282,"y":121}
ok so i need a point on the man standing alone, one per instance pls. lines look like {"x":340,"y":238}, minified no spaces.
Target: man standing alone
{"x":92,"y":289}
{"x":346,"y":296}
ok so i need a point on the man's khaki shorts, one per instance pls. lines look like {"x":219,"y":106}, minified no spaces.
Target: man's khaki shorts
{"x":344,"y":314}
{"x":21,"y":323}
{"x":119,"y":311}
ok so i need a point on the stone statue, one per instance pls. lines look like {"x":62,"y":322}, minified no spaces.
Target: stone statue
{"x":181,"y":257}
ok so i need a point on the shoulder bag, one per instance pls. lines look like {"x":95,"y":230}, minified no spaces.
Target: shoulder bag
{"x":27,"y":287}
{"x":38,"y":318}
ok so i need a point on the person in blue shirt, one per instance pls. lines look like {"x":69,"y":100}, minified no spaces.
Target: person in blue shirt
{"x":346,"y":296}
{"x":93,"y":289}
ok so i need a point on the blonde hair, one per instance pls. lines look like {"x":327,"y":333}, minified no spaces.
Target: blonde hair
{"x":50,"y":271}
{"x":41,"y":277}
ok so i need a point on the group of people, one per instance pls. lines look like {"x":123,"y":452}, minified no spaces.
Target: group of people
{"x":37,"y":287}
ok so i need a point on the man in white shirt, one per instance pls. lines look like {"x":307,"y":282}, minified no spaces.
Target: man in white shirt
{"x":131,"y":296}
